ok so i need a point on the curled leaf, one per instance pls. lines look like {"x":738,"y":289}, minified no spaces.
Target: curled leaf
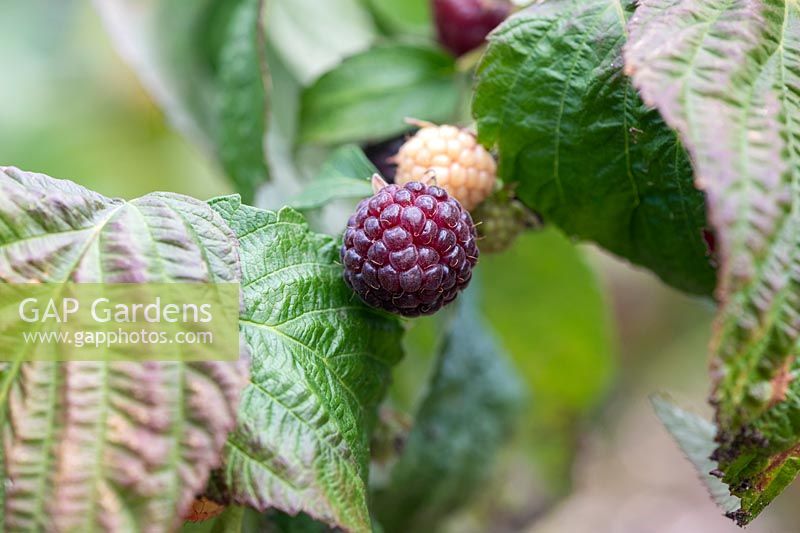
{"x":726,"y":75}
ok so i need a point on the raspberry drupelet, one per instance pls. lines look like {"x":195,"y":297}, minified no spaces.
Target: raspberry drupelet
{"x":409,"y":249}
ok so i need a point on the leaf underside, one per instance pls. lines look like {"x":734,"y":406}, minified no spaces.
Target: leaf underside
{"x":320,"y":365}
{"x":726,"y":75}
{"x":581,"y":147}
{"x":313,"y":37}
{"x":118,"y":446}
{"x":695,"y":436}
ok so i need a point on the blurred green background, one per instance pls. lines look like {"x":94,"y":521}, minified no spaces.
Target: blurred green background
{"x":70,"y":108}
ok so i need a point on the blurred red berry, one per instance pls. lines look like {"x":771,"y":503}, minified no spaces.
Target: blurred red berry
{"x":463,"y":25}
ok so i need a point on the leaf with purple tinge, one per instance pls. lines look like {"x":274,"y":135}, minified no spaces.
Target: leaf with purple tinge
{"x":114,"y":446}
{"x":726,"y":75}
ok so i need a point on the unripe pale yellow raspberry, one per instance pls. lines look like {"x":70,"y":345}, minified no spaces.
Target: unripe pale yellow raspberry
{"x":461,"y":166}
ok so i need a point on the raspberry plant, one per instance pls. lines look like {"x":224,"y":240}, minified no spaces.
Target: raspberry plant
{"x":642,"y":126}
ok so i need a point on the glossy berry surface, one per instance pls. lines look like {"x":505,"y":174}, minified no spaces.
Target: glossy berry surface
{"x":454,"y":158}
{"x":409,"y":249}
{"x":462,"y":25}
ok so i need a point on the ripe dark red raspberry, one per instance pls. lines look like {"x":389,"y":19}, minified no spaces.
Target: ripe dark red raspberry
{"x":409,"y":249}
{"x":463,"y":25}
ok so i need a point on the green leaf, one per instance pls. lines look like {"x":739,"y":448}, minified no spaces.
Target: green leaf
{"x":347,"y":161}
{"x":320,"y":365}
{"x":363,"y":99}
{"x":312,"y":37}
{"x":346,"y":174}
{"x":271,"y":521}
{"x":230,"y":521}
{"x":560,"y":338}
{"x":421,"y":344}
{"x":203,"y":63}
{"x":468,"y":412}
{"x":282,"y":523}
{"x":726,"y":75}
{"x":240,"y":104}
{"x":403,"y":17}
{"x":320,"y":192}
{"x":113,"y":446}
{"x":695,"y":436}
{"x":582,"y":148}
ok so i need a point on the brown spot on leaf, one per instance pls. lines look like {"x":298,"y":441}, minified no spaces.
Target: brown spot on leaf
{"x":781,"y":381}
{"x":740,"y":516}
{"x":204,"y":509}
{"x":776,"y":462}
